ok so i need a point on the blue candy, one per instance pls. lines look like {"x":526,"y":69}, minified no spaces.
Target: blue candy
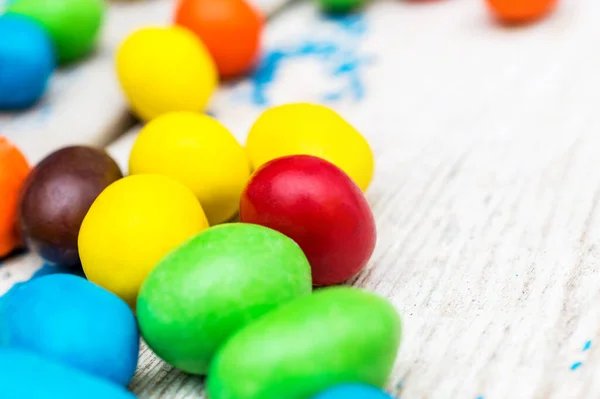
{"x":27,"y":60}
{"x":353,"y":391}
{"x":72,"y":321}
{"x":25,"y":375}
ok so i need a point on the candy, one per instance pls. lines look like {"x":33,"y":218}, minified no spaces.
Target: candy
{"x":26,"y":61}
{"x":199,"y":152}
{"x":165,"y":69}
{"x":520,"y":11}
{"x":312,"y":130}
{"x":317,"y":205}
{"x":69,"y":320}
{"x":336,"y":335}
{"x":74,"y":25}
{"x":56,"y":197}
{"x":13,"y":172}
{"x":26,"y":375}
{"x":340,"y":6}
{"x":353,"y":391}
{"x":213,"y":285}
{"x":132,"y":224}
{"x":231,"y":30}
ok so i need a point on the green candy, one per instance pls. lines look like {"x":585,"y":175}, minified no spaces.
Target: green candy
{"x":340,"y":6}
{"x":337,"y":335}
{"x":74,"y":25}
{"x":213,"y":285}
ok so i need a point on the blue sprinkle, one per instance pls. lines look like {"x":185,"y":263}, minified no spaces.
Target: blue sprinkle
{"x":517,"y":274}
{"x":587,"y":345}
{"x":576,"y":365}
{"x":340,"y":56}
{"x":480,"y":397}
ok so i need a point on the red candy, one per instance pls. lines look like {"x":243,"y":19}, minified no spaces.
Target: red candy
{"x":316,"y":204}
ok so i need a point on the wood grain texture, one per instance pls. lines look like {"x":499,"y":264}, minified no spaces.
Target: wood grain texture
{"x":486,"y":194}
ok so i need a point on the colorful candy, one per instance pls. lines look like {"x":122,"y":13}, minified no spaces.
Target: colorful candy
{"x":165,"y":69}
{"x":230,"y":29}
{"x":132,"y":224}
{"x":340,"y":6}
{"x":353,"y":391}
{"x":199,"y":152}
{"x":520,"y":11}
{"x":316,"y":204}
{"x":26,"y":61}
{"x":74,"y":25}
{"x":13,"y":172}
{"x":26,"y":375}
{"x":336,"y":335}
{"x":216,"y":283}
{"x":69,"y":320}
{"x":312,"y":130}
{"x":56,"y":197}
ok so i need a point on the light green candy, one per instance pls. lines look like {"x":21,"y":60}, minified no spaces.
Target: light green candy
{"x":338,"y":335}
{"x":74,"y":25}
{"x":215,"y":284}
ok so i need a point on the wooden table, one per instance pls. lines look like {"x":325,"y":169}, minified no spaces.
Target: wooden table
{"x":486,"y":189}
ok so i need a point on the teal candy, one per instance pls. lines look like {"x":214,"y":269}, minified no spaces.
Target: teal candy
{"x":337,"y":335}
{"x":24,"y":375}
{"x":72,"y":321}
{"x":27,"y":60}
{"x":353,"y":391}
{"x":213,"y":285}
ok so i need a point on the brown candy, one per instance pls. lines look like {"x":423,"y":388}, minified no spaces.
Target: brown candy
{"x":56,"y":197}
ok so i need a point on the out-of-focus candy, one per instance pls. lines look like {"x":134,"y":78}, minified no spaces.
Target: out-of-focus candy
{"x":74,"y":25}
{"x":26,"y":375}
{"x":56,"y":197}
{"x":165,"y":69}
{"x":69,"y":320}
{"x":27,"y":61}
{"x":230,"y":29}
{"x":520,"y":11}
{"x":14,"y":169}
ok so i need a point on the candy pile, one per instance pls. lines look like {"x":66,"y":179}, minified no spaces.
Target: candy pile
{"x":38,"y":35}
{"x":211,"y":296}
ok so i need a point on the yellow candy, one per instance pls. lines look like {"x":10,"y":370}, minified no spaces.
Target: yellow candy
{"x":199,"y":152}
{"x":311,"y":130}
{"x":132,"y":224}
{"x":165,"y":69}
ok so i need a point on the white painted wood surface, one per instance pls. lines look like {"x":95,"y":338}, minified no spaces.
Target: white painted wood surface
{"x":485,"y":193}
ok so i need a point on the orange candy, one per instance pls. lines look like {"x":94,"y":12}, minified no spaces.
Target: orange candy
{"x":14,"y":168}
{"x":230,"y":29}
{"x":521,"y":11}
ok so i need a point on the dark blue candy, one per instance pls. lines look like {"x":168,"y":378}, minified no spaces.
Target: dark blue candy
{"x":353,"y":391}
{"x":72,"y":321}
{"x":24,"y":375}
{"x":27,"y":61}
